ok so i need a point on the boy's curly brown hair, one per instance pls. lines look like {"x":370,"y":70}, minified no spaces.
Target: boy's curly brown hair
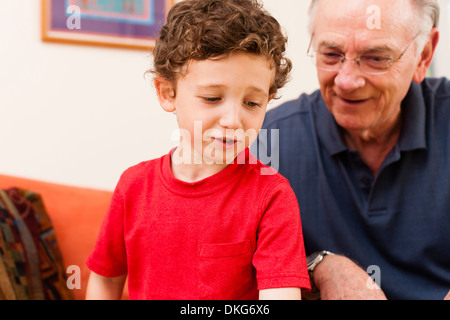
{"x":205,"y":29}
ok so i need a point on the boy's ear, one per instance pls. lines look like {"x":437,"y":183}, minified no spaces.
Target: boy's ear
{"x":271,"y":97}
{"x":166,"y":93}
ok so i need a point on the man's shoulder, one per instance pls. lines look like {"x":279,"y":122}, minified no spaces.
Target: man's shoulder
{"x":438,"y":87}
{"x":287,"y":110}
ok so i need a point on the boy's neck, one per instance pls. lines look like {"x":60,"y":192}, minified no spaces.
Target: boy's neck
{"x":192,"y":172}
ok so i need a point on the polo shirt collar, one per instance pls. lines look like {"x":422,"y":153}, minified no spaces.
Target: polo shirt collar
{"x":328,"y":130}
{"x":413,"y":135}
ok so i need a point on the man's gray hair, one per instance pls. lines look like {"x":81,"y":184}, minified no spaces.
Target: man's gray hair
{"x":428,"y":13}
{"x":428,"y":17}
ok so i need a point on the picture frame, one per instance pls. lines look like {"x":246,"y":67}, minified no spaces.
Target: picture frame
{"x":130,"y":24}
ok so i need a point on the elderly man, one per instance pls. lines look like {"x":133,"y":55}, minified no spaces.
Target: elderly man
{"x":369,"y":154}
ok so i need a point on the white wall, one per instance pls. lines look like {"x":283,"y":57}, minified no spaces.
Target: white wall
{"x":441,"y":63}
{"x":80,"y":115}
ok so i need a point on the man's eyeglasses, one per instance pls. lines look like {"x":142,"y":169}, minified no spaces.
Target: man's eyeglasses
{"x":330,"y":59}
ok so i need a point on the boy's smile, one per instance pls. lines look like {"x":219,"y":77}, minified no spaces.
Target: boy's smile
{"x":225,"y":143}
{"x":228,"y":97}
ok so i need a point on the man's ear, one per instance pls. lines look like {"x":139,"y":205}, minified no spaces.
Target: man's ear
{"x":426,"y":56}
{"x":166,"y":93}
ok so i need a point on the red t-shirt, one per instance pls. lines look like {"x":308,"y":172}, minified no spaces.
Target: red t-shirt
{"x":224,"y":237}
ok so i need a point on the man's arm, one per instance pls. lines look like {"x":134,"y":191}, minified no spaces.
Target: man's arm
{"x":104,"y":288}
{"x":280,"y":294}
{"x":339,"y":278}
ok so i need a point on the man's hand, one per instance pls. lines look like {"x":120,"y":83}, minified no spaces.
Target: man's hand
{"x":447,"y":297}
{"x":339,"y":278}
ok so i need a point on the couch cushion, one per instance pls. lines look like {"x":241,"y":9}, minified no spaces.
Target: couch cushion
{"x":31,"y":266}
{"x":76,"y":214}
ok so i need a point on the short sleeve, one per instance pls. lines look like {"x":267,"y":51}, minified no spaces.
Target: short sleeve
{"x":108,"y":257}
{"x":279,"y":258}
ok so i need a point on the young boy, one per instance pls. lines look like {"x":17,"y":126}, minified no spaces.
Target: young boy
{"x":202,"y":222}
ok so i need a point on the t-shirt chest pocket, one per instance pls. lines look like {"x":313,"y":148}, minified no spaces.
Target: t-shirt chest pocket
{"x":226,"y":270}
{"x":225,"y":250}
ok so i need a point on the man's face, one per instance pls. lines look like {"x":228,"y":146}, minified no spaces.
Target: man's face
{"x":362,"y":102}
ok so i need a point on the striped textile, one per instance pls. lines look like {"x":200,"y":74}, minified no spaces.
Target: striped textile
{"x":31,"y":264}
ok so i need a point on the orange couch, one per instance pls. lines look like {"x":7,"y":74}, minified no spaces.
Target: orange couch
{"x":76,"y":213}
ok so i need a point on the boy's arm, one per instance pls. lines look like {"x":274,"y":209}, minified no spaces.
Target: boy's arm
{"x":280,"y":294}
{"x":104,"y":288}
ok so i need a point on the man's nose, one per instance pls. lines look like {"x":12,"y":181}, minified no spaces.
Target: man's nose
{"x":349,"y":77}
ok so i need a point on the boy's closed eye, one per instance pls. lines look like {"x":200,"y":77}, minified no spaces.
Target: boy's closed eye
{"x":252,"y":104}
{"x":211,"y":99}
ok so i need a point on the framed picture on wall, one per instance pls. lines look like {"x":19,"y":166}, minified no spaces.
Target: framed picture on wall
{"x":119,"y":23}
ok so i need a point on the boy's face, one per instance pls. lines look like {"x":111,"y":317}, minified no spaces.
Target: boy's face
{"x":220,"y":106}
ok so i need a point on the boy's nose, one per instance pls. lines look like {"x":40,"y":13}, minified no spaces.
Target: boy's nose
{"x":231,"y":117}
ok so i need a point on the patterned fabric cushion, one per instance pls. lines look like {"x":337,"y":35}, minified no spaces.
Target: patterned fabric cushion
{"x":31,"y":264}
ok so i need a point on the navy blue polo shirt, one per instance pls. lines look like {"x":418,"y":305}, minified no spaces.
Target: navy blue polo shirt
{"x":396,"y":223}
